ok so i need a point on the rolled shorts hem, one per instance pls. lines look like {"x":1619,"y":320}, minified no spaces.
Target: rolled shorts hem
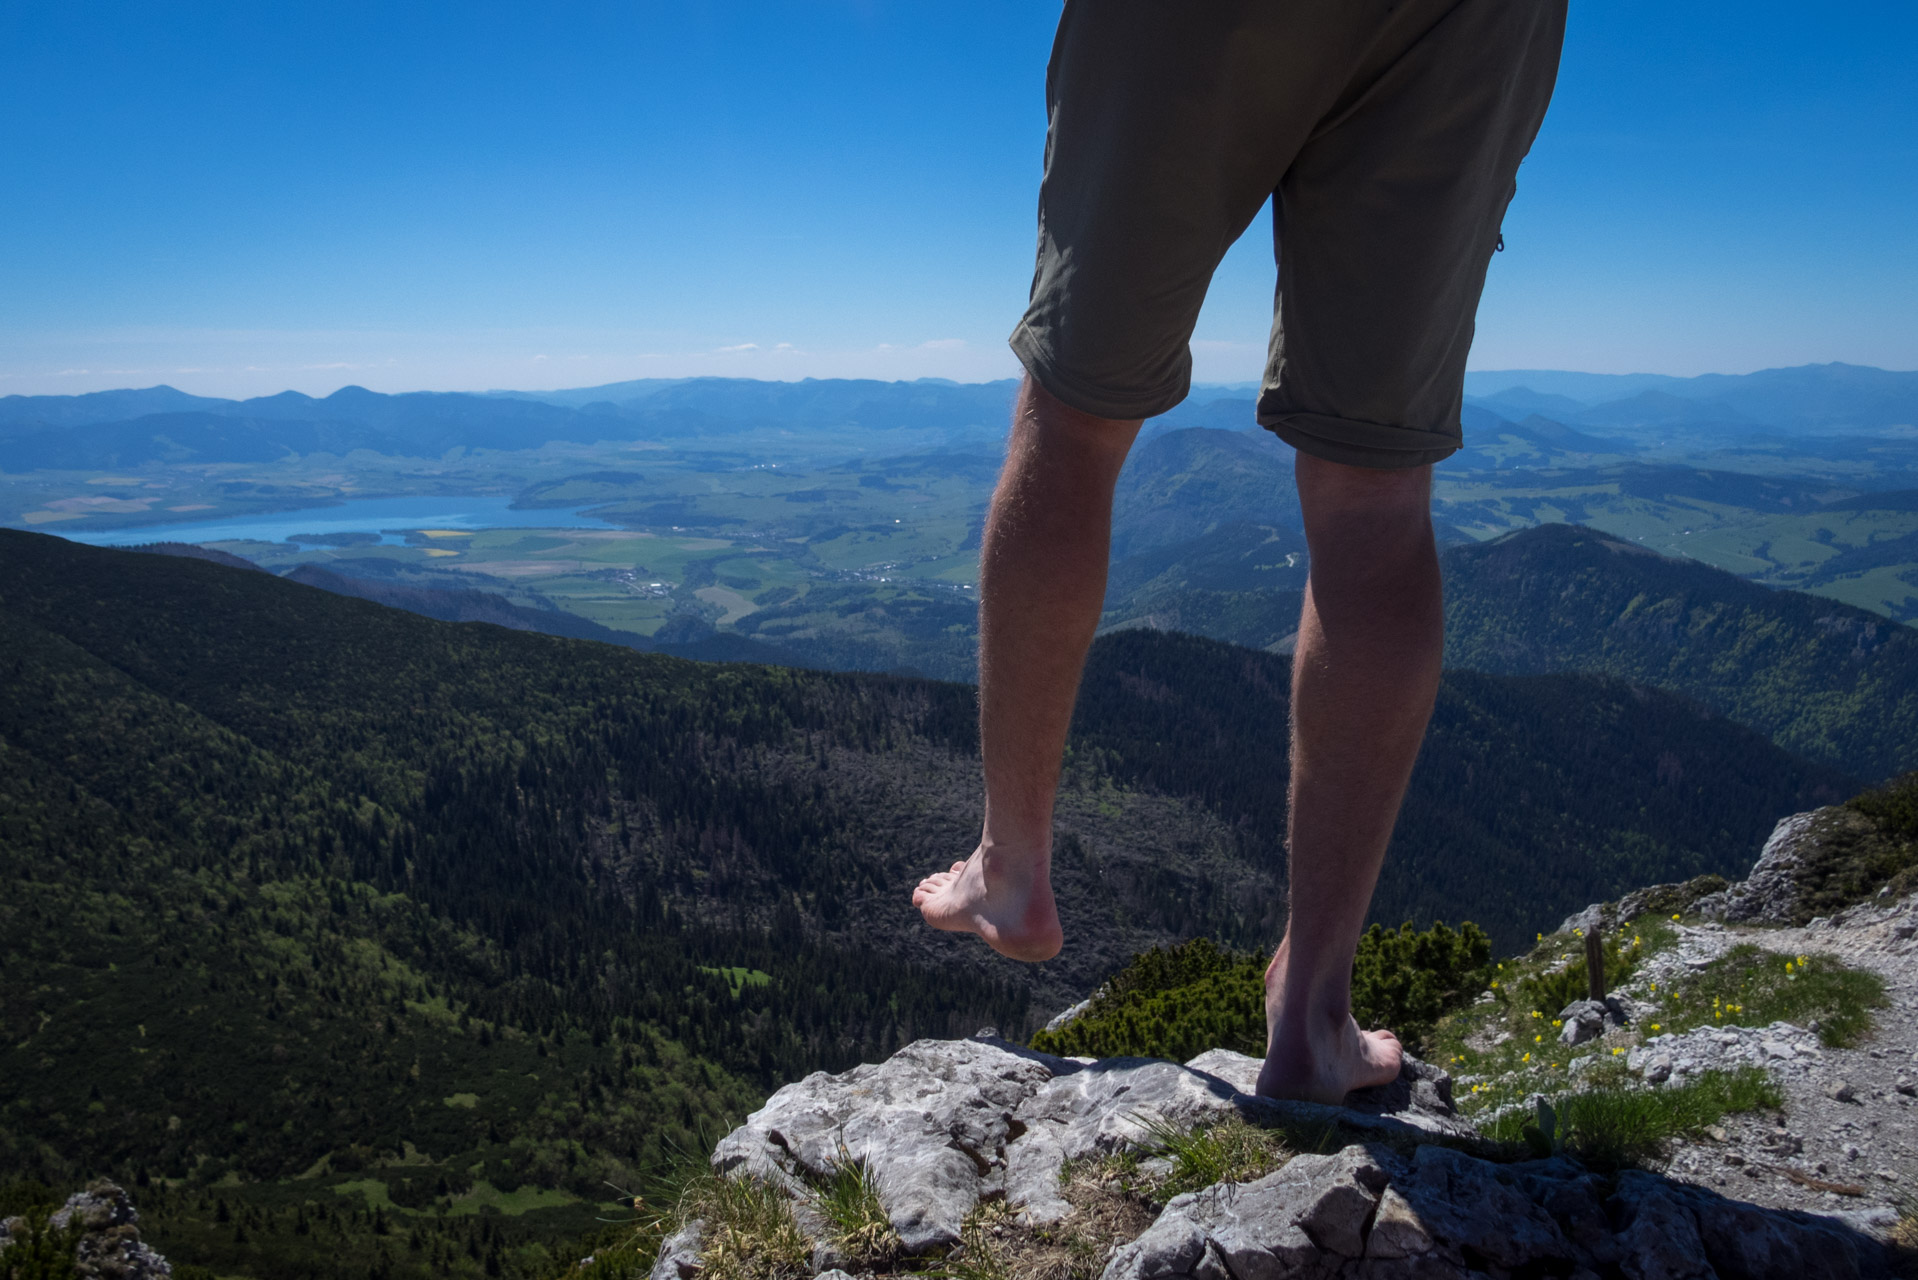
{"x":1081,"y":395}
{"x":1360,"y":444}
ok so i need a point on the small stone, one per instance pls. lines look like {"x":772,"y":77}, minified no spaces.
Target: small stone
{"x":1778,"y":1049}
{"x":1718,"y":1133}
{"x":1658,"y":1070}
{"x":1906,"y":1086}
{"x":1840,"y":1091}
{"x":1851,"y":1151}
{"x":1886,"y":1174}
{"x":1733,"y":1159}
{"x":1396,"y":1230}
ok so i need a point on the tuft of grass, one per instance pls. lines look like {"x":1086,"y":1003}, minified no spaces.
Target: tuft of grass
{"x":1230,"y":1151}
{"x":1109,"y":1207}
{"x":860,"y":1227}
{"x":1611,"y":1127}
{"x":750,"y":1232}
{"x":1751,"y":986}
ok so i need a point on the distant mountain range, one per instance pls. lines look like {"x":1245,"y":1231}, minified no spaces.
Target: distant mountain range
{"x":1828,"y":398}
{"x":160,"y":424}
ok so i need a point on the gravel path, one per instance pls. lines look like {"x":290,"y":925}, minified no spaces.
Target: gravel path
{"x":1848,"y":1140}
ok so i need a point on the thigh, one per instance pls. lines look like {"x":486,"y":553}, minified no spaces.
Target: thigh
{"x":1385,"y":225}
{"x":1169,"y":124}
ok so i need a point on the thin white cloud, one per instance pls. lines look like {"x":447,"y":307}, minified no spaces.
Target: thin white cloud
{"x":744,"y":346}
{"x":943,"y":344}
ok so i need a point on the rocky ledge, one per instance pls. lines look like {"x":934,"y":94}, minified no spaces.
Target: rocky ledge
{"x":953,"y":1133}
{"x":943,"y":1126}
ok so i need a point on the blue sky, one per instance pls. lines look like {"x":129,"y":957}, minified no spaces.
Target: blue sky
{"x":241,"y":198}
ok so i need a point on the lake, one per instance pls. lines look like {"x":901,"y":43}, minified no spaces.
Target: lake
{"x":387,"y":517}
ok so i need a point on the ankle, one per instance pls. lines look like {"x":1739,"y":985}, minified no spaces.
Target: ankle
{"x":1017,"y":854}
{"x":1305,"y":1005}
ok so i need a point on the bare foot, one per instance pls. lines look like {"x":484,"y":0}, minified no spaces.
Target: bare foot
{"x":1007,"y":902}
{"x":1315,"y":1057}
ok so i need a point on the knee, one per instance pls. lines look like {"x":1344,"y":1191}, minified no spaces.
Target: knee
{"x":1345,"y":504}
{"x":1043,"y":423}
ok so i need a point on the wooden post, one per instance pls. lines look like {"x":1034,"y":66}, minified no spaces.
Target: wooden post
{"x":1594,"y":961}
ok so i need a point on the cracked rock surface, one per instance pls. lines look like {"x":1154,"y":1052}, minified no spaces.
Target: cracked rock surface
{"x":946,"y":1124}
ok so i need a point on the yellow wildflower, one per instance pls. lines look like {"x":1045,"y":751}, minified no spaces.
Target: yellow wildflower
{"x":1526,"y":1058}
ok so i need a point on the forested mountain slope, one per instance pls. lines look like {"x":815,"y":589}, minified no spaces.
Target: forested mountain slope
{"x":1527,"y":791}
{"x":1824,"y":679}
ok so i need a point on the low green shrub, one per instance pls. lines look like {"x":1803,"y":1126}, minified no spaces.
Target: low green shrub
{"x":40,"y":1250}
{"x":1894,"y":806}
{"x":1407,"y":980}
{"x":1173,"y":1003}
{"x":1177,"y":1002}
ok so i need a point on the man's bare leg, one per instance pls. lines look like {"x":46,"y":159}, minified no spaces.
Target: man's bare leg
{"x":1042,"y":580}
{"x":1364,"y":678}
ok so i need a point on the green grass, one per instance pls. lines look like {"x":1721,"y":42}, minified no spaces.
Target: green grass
{"x":1611,"y":1127}
{"x":1752,"y":987}
{"x":738,"y":977}
{"x":859,"y":1227}
{"x":1230,"y":1151}
{"x":1557,"y":976}
{"x":750,"y":1231}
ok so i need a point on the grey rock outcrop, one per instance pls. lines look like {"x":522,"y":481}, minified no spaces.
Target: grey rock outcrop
{"x":679,"y":1254}
{"x":944,"y":1124}
{"x":108,"y":1246}
{"x":1769,"y":895}
{"x":1367,"y":1212}
{"x":1589,"y":1019}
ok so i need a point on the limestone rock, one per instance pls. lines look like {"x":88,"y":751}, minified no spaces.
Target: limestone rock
{"x":1769,"y":895}
{"x":1589,"y":1019}
{"x":1305,"y":1219}
{"x":931,"y":1123}
{"x":679,"y":1255}
{"x":1421,"y":1097}
{"x":944,"y":1125}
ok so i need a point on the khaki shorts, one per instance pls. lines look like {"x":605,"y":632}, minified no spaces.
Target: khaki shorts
{"x":1388,"y":135}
